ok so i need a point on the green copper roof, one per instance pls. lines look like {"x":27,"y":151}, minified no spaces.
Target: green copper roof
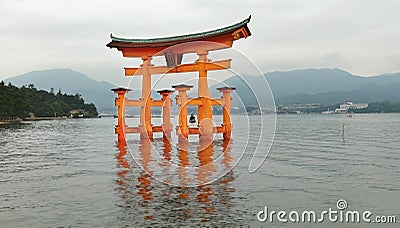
{"x":172,"y":39}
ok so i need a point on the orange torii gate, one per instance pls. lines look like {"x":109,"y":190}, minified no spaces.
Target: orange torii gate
{"x":173,"y":48}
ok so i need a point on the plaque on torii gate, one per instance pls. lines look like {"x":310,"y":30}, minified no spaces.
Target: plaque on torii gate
{"x":173,"y":49}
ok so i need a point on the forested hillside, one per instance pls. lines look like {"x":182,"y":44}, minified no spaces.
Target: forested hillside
{"x":20,"y":102}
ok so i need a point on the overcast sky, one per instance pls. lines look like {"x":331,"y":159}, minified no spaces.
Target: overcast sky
{"x":359,"y":36}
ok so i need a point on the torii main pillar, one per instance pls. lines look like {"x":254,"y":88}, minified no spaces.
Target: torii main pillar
{"x":205,"y":108}
{"x":146,"y":129}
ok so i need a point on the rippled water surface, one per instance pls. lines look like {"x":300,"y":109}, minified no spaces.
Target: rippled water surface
{"x":73,"y":173}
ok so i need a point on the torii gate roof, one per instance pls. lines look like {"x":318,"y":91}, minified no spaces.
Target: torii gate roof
{"x":141,"y":47}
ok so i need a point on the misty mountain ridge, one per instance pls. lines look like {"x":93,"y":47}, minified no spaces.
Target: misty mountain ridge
{"x":314,"y":81}
{"x":332,"y":86}
{"x":325,"y":86}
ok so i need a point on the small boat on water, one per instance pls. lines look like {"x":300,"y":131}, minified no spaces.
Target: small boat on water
{"x":103,"y":114}
{"x":328,"y":112}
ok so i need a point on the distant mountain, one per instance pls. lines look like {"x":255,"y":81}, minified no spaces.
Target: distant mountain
{"x":313,"y":81}
{"x":367,"y":94}
{"x":247,"y":88}
{"x":70,"y":82}
{"x":326,"y":86}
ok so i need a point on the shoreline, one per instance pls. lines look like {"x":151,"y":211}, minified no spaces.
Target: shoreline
{"x":10,"y":121}
{"x":44,"y":118}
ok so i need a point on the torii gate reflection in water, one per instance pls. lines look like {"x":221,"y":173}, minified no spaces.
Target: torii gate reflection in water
{"x":173,"y":48}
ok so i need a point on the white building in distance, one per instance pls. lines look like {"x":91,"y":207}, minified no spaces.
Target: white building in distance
{"x":344,"y":108}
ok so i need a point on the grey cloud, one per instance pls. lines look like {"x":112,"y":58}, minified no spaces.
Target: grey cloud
{"x":359,"y":36}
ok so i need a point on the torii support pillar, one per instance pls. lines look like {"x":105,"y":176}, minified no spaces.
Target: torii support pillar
{"x":120,"y":128}
{"x":181,"y":100}
{"x":166,"y":112}
{"x":227,"y":101}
